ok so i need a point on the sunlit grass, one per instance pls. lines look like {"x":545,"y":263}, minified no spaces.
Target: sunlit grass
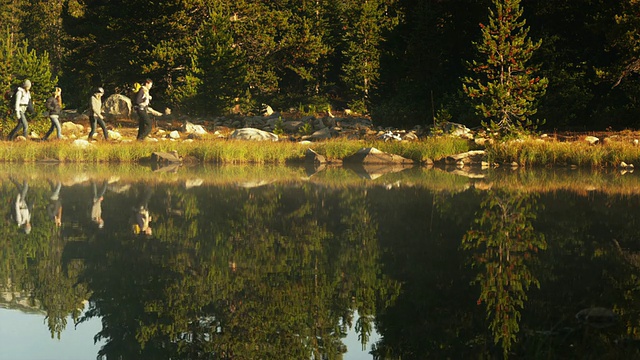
{"x":537,"y":152}
{"x":222,"y":151}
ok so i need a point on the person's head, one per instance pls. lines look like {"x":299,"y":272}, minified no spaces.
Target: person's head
{"x":148,"y":83}
{"x":26,"y":84}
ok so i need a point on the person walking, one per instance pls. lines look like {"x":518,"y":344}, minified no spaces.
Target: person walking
{"x":54,"y":105}
{"x":23,"y":103}
{"x":95,"y":114}
{"x":143,"y":98}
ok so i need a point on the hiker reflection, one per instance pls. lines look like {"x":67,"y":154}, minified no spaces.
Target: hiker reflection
{"x":96,"y":205}
{"x":54,"y":209}
{"x":22,"y":207}
{"x":141,"y":217}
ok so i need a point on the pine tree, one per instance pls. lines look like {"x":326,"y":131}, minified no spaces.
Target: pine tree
{"x":504,"y":85}
{"x":364,"y":24}
{"x":221,"y":68}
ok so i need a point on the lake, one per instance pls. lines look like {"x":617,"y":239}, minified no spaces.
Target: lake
{"x":259,"y":262}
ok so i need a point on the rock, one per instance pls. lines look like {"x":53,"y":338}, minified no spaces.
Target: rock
{"x":69,"y":127}
{"x":410,"y":136}
{"x":165,"y":157}
{"x":313,"y":157}
{"x":292,"y":126}
{"x":82,"y":143}
{"x":174,"y":135}
{"x":458,"y":130}
{"x":253,"y":134}
{"x":592,"y":140}
{"x":190,"y":128}
{"x":374,"y":156}
{"x":322,"y":134}
{"x":118,"y":106}
{"x":469,"y":157}
{"x":114,"y":135}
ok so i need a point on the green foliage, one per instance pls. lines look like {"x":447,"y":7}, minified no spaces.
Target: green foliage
{"x":221,"y":67}
{"x":19,"y":62}
{"x":278,"y":129}
{"x":504,"y":86}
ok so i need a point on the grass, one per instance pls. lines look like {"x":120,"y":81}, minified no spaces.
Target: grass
{"x":530,"y":152}
{"x":220,"y":151}
{"x":537,"y":152}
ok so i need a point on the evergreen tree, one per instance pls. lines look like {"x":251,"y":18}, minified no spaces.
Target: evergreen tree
{"x":221,"y":70}
{"x":504,"y":85}
{"x":42,"y":26}
{"x":364,"y":24}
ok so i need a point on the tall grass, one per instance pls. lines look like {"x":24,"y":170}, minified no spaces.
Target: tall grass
{"x":221,"y":151}
{"x":536,"y":152}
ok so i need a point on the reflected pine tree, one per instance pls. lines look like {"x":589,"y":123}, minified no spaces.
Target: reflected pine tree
{"x":237,"y":273}
{"x":504,"y":244}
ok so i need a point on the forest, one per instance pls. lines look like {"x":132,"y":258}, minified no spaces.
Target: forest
{"x":402,"y":62}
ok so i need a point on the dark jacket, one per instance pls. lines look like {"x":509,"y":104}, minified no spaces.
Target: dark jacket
{"x":53,"y":106}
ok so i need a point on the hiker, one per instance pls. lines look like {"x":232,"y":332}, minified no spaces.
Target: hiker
{"x":54,"y":208}
{"x":54,"y":105}
{"x":22,"y":103}
{"x":95,"y":114}
{"x":142,"y":104}
{"x":22,"y":208}
{"x":96,"y":204}
{"x":141,"y":216}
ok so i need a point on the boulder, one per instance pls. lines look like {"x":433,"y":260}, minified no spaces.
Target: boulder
{"x":190,"y":128}
{"x":322,"y":134}
{"x":592,"y":140}
{"x":70,"y":127}
{"x":313,"y":157}
{"x":165,"y":157}
{"x":469,"y":157}
{"x":118,"y":106}
{"x":253,"y":134}
{"x":374,"y":156}
{"x":174,"y":135}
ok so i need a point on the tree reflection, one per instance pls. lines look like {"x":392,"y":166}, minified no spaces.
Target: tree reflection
{"x":504,"y":245}
{"x":270,"y":272}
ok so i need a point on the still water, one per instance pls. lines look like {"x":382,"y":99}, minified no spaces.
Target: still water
{"x":289,"y":263}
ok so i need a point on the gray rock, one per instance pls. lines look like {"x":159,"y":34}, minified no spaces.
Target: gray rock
{"x":253,"y":134}
{"x":118,"y":106}
{"x":165,"y":157}
{"x":313,"y":157}
{"x":374,"y":156}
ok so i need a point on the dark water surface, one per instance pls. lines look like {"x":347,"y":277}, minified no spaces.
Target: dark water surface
{"x":282,"y":263}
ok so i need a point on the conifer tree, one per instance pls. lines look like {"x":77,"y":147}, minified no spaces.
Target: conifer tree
{"x":221,"y":70}
{"x":504,"y":86}
{"x":364,"y":24}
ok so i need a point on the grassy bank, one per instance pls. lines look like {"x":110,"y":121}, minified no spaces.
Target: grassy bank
{"x":222,"y":151}
{"x":529,"y":152}
{"x":538,"y":152}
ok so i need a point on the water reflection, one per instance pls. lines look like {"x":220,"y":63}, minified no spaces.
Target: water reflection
{"x":249,"y":263}
{"x":504,"y":244}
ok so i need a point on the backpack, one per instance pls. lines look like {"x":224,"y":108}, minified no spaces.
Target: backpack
{"x":10,"y":98}
{"x":134,"y":92}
